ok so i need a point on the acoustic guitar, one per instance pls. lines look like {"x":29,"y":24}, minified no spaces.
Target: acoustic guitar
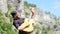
{"x":30,"y":27}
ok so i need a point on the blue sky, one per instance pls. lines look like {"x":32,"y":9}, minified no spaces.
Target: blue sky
{"x":52,"y":6}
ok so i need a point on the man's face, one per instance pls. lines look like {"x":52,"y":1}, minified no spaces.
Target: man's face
{"x":15,"y":17}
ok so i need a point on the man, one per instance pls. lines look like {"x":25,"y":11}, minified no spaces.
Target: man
{"x":17,"y":22}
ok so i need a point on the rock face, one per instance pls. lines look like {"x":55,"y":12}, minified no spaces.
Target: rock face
{"x":3,"y":6}
{"x":18,"y":5}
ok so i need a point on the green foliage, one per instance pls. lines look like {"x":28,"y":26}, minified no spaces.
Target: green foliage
{"x":1,"y":13}
{"x":32,"y":5}
{"x":47,"y":12}
{"x":9,"y":7}
{"x":26,"y":4}
{"x":5,"y":26}
{"x":26,"y":14}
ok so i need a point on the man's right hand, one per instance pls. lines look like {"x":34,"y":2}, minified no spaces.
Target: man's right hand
{"x":23,"y":27}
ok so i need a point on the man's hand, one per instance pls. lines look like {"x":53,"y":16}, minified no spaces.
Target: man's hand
{"x":20,"y":28}
{"x":23,"y":27}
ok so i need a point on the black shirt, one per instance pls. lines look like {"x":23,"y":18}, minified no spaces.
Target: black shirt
{"x":18,"y":22}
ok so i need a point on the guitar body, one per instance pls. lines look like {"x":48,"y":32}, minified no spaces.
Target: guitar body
{"x":30,"y":27}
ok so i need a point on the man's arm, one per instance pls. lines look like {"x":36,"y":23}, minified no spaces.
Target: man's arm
{"x":32,"y":11}
{"x":32,"y":16}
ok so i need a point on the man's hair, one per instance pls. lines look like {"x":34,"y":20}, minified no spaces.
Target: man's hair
{"x":13,"y":13}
